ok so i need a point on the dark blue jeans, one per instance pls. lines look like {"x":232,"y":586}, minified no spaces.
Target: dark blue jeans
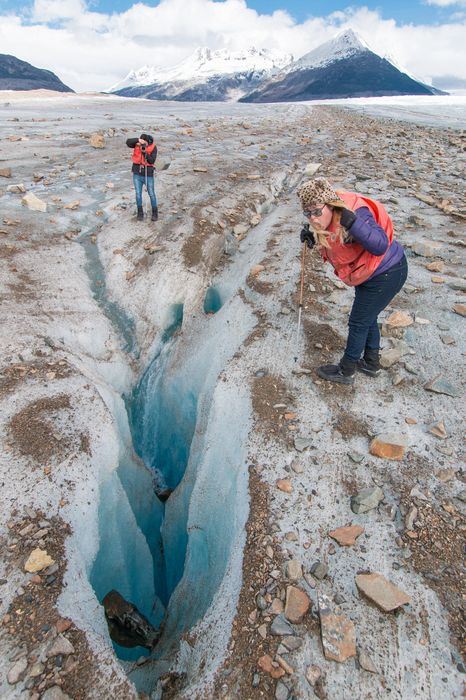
{"x":370,"y":298}
{"x":138,"y":182}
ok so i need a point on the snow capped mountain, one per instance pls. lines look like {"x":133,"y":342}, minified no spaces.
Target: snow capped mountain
{"x":345,"y":66}
{"x":202,"y":66}
{"x":344,"y":45}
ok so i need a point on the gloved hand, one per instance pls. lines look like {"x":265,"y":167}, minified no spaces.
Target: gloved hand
{"x":307,"y":235}
{"x":347,"y":218}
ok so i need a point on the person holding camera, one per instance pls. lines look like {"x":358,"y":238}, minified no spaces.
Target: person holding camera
{"x":355,"y":235}
{"x":144,"y":155}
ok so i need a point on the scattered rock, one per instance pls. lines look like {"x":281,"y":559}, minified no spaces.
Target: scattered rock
{"x":399,"y":319}
{"x":16,"y":189}
{"x":428,"y":249}
{"x":311,"y":169}
{"x":367,"y":499}
{"x":55,"y":693}
{"x":97,"y":140}
{"x":338,"y":633}
{"x":281,"y":691}
{"x":199,"y":169}
{"x":356,"y":457}
{"x":272,"y":668}
{"x":366,"y":662}
{"x":460,"y":309}
{"x":389,"y":446}
{"x":294,"y":570}
{"x":37,"y":560}
{"x":459,"y":285}
{"x":17,"y":671}
{"x":439,"y":385}
{"x":257,"y":269}
{"x":34,"y":203}
{"x":296,"y":605}
{"x":390,"y":357}
{"x":319,"y":570}
{"x":438,"y":429}
{"x":284,"y":485}
{"x":5,"y":172}
{"x":384,"y":594}
{"x":292,"y":643}
{"x":281,"y":627}
{"x":59,"y":646}
{"x":313,"y":673}
{"x":73,"y":205}
{"x":346,"y":536}
{"x":436,"y":266}
{"x":302,"y":443}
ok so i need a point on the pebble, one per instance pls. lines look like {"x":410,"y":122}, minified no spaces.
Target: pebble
{"x":313,"y":673}
{"x":297,"y":604}
{"x":55,"y":693}
{"x":319,"y":570}
{"x":356,"y":457}
{"x":367,"y":499}
{"x":302,"y":443}
{"x":272,"y":668}
{"x":59,"y":646}
{"x":337,"y":631}
{"x":292,"y":643}
{"x":281,"y":627}
{"x":389,"y":446}
{"x":37,"y":560}
{"x":294,"y":570}
{"x":281,"y":691}
{"x":17,"y":671}
{"x":366,"y":662}
{"x":383,"y":593}
{"x":439,"y":385}
{"x":346,"y":536}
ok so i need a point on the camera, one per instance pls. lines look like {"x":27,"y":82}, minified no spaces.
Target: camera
{"x":143,"y":147}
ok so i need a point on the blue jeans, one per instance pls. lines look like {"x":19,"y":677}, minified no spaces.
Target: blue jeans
{"x":370,"y":298}
{"x":138,"y":182}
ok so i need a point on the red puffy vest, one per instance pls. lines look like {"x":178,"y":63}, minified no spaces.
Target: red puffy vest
{"x":352,"y":263}
{"x":138,"y":156}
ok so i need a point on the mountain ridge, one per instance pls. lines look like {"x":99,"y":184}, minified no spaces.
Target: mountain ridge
{"x":16,"y":74}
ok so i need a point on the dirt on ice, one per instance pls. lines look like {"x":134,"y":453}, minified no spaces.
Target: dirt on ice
{"x":86,"y":294}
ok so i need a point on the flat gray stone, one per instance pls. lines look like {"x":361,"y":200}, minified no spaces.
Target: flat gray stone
{"x":292,"y":643}
{"x":366,"y":500}
{"x":60,"y":646}
{"x":356,"y":457}
{"x":439,"y":385}
{"x":281,"y":691}
{"x":17,"y":671}
{"x":319,"y":570}
{"x":302,"y":443}
{"x":366,"y":662}
{"x":281,"y":627}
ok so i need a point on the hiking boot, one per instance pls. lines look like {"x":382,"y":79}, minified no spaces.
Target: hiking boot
{"x":155,"y":214}
{"x":336,"y":373}
{"x":370,"y":363}
{"x":140,"y":215}
{"x":369,"y":369}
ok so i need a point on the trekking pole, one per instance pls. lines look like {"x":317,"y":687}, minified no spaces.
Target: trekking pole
{"x":301,"y":295}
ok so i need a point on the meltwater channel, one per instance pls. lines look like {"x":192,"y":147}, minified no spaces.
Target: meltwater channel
{"x":177,"y":503}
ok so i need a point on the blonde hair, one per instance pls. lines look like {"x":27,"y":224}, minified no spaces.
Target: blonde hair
{"x":322,"y":235}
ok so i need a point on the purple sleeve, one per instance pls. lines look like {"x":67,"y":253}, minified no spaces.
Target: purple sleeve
{"x":366,"y":231}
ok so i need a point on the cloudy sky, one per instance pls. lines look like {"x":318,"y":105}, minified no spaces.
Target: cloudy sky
{"x":92,"y":44}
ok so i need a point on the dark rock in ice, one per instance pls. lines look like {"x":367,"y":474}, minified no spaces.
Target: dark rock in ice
{"x":126,"y":625}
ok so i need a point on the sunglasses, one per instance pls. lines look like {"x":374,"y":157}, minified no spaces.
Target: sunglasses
{"x":313,"y":212}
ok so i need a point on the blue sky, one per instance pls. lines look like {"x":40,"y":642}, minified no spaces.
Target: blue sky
{"x":417,"y":12}
{"x":93,"y":44}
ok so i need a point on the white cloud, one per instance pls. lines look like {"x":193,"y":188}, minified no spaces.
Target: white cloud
{"x":91,"y":50}
{"x":446,"y":3}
